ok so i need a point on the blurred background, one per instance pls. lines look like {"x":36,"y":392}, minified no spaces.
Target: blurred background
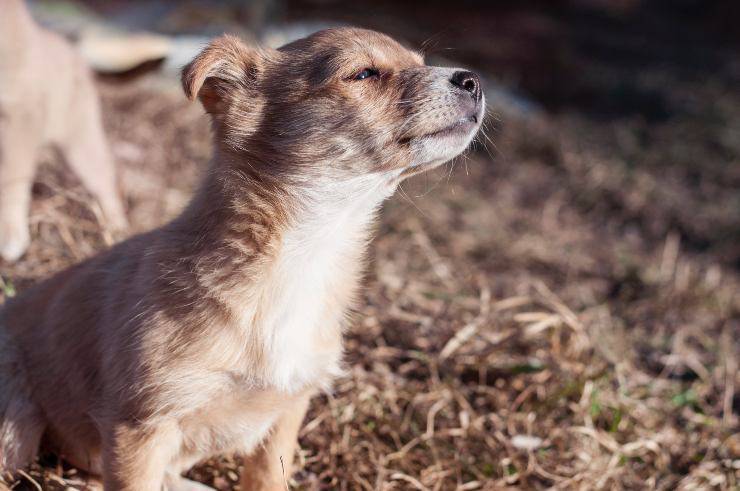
{"x":557,"y":308}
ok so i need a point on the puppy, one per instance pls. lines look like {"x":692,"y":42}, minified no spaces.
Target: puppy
{"x":47,"y":96}
{"x":210,"y":334}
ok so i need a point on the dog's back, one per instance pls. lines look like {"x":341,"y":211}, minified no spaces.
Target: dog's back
{"x":39,"y":73}
{"x":50,"y":364}
{"x":21,"y":418}
{"x":16,"y":29}
{"x":21,"y":425}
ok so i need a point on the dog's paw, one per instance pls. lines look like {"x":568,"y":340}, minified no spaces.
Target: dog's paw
{"x":113,"y":214}
{"x":14,"y":240}
{"x":175,"y":482}
{"x":116,"y":222}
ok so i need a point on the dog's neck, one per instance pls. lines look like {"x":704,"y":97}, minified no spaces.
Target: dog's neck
{"x":240,"y":216}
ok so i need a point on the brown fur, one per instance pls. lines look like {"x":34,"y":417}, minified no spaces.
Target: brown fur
{"x":47,"y":97}
{"x":209,"y":334}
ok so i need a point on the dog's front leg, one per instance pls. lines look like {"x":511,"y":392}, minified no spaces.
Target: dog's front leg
{"x":137,"y":455}
{"x":19,"y":143}
{"x":87,"y":153}
{"x":271,"y":465}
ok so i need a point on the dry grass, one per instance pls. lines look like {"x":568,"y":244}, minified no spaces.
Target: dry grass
{"x":565,"y":315}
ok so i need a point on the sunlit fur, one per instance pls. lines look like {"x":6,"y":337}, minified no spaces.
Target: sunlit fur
{"x":209,"y":334}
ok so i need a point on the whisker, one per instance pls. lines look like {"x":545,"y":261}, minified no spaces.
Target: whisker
{"x":407,"y":198}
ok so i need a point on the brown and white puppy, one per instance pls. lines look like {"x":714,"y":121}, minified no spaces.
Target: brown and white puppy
{"x":210,"y":334}
{"x":47,"y":97}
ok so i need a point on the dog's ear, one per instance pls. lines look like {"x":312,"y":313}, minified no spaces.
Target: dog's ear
{"x":224,"y":69}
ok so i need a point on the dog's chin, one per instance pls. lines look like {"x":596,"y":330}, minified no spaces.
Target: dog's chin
{"x":434,"y":149}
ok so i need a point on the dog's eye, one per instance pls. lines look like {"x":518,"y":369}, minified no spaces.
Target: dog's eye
{"x":367,"y":73}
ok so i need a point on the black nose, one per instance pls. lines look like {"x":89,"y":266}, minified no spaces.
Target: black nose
{"x":467,"y":81}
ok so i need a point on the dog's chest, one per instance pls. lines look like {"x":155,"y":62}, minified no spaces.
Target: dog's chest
{"x":305,"y":295}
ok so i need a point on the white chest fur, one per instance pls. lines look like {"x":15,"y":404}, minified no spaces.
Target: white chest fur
{"x":311,"y":283}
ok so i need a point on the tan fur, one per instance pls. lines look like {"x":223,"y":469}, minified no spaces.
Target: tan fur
{"x":47,"y":97}
{"x":210,"y":334}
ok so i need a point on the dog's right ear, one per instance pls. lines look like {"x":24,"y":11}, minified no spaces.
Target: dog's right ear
{"x":223,"y":71}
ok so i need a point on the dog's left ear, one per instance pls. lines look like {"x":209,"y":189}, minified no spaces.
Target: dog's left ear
{"x":225,"y":70}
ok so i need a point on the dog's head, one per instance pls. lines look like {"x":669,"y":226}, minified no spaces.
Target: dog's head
{"x":339,"y":103}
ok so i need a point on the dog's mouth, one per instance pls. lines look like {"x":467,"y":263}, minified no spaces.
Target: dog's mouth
{"x":461,"y":127}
